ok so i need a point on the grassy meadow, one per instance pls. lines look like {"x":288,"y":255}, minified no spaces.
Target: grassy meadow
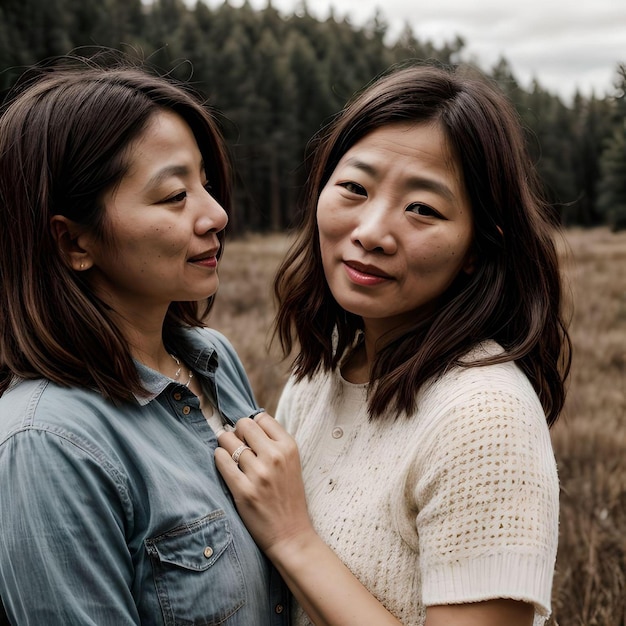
{"x":589,"y":439}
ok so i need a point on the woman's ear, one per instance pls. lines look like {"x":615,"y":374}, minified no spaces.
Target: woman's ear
{"x":470,"y":263}
{"x":469,"y":267}
{"x":72,"y":242}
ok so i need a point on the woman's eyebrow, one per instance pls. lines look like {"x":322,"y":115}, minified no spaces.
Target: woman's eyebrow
{"x":165,"y":173}
{"x":429,"y":184}
{"x":168,"y":172}
{"x":363,"y":166}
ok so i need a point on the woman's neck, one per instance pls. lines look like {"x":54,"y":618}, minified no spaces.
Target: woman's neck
{"x":357,"y":366}
{"x":159,"y":359}
{"x":145,"y":342}
{"x":146,"y":345}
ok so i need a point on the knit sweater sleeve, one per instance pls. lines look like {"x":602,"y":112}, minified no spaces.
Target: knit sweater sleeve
{"x":485,"y":490}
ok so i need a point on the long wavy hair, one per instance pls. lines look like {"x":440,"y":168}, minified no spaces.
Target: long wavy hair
{"x":514,"y":295}
{"x":64,"y":135}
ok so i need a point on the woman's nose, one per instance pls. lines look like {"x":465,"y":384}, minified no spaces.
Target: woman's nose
{"x":212,"y":217}
{"x":374,"y":231}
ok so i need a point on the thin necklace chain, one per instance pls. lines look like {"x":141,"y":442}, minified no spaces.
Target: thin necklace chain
{"x":178,"y":371}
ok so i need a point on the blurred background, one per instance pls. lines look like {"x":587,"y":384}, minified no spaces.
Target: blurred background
{"x":276,"y":76}
{"x":277,"y":71}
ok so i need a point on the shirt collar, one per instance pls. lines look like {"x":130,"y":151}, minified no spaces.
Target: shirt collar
{"x":201,"y":356}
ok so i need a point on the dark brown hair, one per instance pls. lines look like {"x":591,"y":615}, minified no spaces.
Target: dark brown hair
{"x":514,"y":294}
{"x":64,"y":136}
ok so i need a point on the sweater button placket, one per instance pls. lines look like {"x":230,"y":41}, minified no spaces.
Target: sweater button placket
{"x":337,"y":432}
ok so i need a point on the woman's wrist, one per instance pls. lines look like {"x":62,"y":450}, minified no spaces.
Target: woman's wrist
{"x":296,"y":548}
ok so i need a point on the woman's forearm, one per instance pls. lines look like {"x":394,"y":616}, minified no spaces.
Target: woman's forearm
{"x":324,"y":587}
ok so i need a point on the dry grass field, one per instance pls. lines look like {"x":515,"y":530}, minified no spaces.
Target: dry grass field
{"x":589,"y":439}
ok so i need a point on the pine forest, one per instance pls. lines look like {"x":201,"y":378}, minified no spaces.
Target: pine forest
{"x":276,"y":79}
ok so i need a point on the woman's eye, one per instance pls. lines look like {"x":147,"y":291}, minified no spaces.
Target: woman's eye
{"x":354,"y":188}
{"x":179,"y":197}
{"x":422,"y":209}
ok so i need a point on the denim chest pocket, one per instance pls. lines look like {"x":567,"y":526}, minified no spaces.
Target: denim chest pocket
{"x":198,"y":577}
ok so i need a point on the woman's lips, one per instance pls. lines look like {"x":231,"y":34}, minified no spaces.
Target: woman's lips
{"x":210,"y":261}
{"x":365,"y":275}
{"x":206,"y":259}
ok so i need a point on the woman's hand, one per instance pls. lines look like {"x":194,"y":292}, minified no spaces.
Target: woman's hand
{"x":266,"y":482}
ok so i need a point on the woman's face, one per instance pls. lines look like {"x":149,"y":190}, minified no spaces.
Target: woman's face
{"x":162,"y":224}
{"x":395,"y":225}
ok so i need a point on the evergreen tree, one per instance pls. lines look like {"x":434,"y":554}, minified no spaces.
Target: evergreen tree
{"x":550,"y":129}
{"x":276,"y":80}
{"x":612,"y":197}
{"x":592,"y":128}
{"x":612,"y":188}
{"x":502,"y":74}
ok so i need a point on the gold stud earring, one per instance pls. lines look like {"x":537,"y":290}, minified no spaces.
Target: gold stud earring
{"x":82,"y":265}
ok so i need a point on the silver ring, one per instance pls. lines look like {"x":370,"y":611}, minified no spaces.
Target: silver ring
{"x":237,"y":453}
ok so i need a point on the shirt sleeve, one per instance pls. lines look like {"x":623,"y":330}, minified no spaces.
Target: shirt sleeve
{"x":63,"y":554}
{"x":486,"y":491}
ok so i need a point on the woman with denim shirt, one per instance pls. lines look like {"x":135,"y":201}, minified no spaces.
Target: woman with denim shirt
{"x":114,"y":192}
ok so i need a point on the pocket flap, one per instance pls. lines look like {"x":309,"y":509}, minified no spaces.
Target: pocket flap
{"x":194,"y":546}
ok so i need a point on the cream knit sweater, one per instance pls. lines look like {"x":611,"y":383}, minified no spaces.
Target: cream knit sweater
{"x":458,"y":503}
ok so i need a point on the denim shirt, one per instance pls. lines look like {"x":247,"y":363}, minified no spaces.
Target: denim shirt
{"x":115,"y":515}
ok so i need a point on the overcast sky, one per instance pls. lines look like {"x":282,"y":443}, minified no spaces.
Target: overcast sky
{"x":565,"y":44}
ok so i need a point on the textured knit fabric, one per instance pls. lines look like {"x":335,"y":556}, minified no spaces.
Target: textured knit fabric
{"x":456,"y":503}
{"x":113,"y":515}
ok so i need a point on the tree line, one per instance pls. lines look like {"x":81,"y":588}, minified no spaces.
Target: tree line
{"x":277,"y":79}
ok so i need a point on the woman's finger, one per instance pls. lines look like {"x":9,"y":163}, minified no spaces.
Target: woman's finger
{"x":237,"y":448}
{"x":230,"y":471}
{"x":264,"y":435}
{"x":272,"y":428}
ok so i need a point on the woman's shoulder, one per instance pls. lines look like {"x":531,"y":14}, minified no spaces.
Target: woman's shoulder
{"x":483,"y":350}
{"x":494,"y":395}
{"x":44,"y":412}
{"x":475,"y":373}
{"x":41,"y":400}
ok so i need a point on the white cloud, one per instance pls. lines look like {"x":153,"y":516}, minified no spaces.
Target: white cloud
{"x":565,"y":44}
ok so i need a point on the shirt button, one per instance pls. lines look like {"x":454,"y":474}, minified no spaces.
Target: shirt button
{"x":208,"y":552}
{"x":279,"y":608}
{"x":186,"y":410}
{"x":337,"y":433}
{"x":178,"y":395}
